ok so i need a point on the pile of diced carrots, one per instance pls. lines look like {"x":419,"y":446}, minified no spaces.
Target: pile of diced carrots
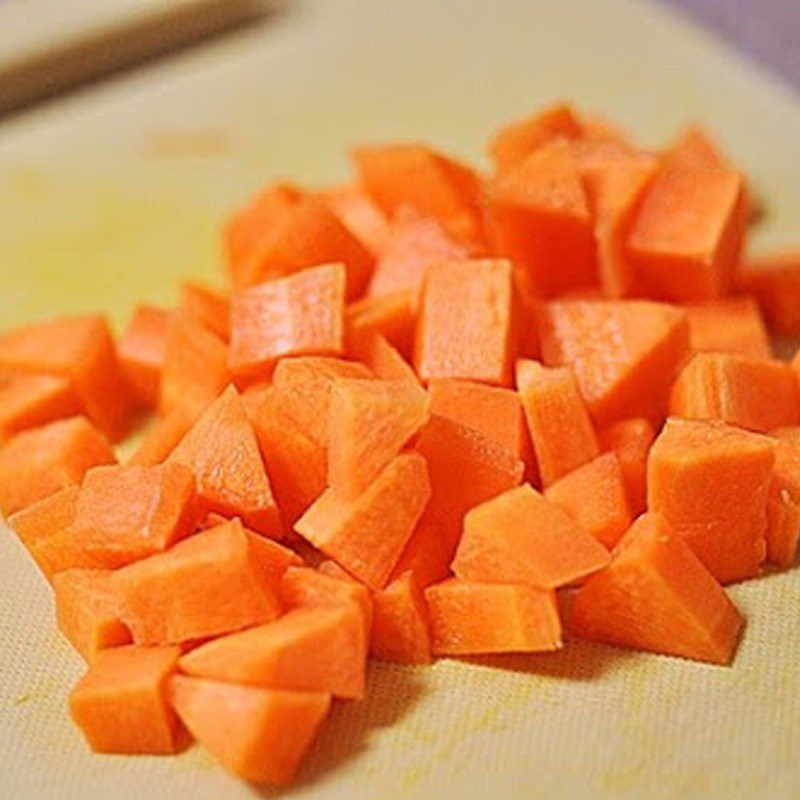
{"x":436,"y":412}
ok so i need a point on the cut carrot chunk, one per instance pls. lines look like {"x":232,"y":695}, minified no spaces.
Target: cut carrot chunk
{"x":141,"y":352}
{"x":222,"y":451}
{"x":370,"y":421}
{"x":624,"y":354}
{"x":427,"y":554}
{"x":121,"y":703}
{"x":400,"y":626}
{"x":538,"y":216}
{"x":520,"y":537}
{"x":711,"y":482}
{"x":473,"y":618}
{"x":465,"y":326}
{"x":367,"y":535}
{"x":29,"y":401}
{"x":40,"y":461}
{"x":783,"y":508}
{"x":166,"y":598}
{"x":774,"y":280}
{"x":303,"y":387}
{"x":658,"y":596}
{"x":309,"y":649}
{"x":162,"y":438}
{"x":686,"y":239}
{"x":414,"y":175}
{"x":210,"y":307}
{"x":261,"y":735}
{"x":732,"y":325}
{"x":559,"y":424}
{"x":296,"y":465}
{"x":391,"y":315}
{"x":415,"y":244}
{"x":88,"y":611}
{"x":594,"y":495}
{"x":359,"y":214}
{"x":301,"y":314}
{"x":383,"y":360}
{"x":82,"y":350}
{"x":631,"y":440}
{"x":755,"y":393}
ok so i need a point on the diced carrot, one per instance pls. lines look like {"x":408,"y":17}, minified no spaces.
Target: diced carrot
{"x":631,"y":440}
{"x":656,"y":595}
{"x":383,"y":360}
{"x":520,"y":537}
{"x":260,"y":735}
{"x":301,"y":314}
{"x":465,"y":469}
{"x":400,"y":625}
{"x":731,"y":325}
{"x":303,"y":387}
{"x":427,"y":554}
{"x":40,"y":461}
{"x":774,"y":280}
{"x":754,"y":393}
{"x":465,"y":327}
{"x":162,"y":437}
{"x":128,"y":513}
{"x":624,"y":354}
{"x":82,"y":350}
{"x":686,"y":239}
{"x":559,"y":425}
{"x":121,"y":703}
{"x":711,"y":482}
{"x":210,"y":307}
{"x":370,"y":421}
{"x":783,"y":508}
{"x":538,"y":216}
{"x":517,"y":140}
{"x":222,"y":451}
{"x":307,"y":235}
{"x":309,"y":649}
{"x":594,"y":495}
{"x":296,"y":465}
{"x":29,"y":401}
{"x":88,"y":611}
{"x":414,"y":175}
{"x":141,"y":352}
{"x":391,"y":315}
{"x":359,"y":214}
{"x":415,"y":243}
{"x":470,"y":618}
{"x":207,"y":585}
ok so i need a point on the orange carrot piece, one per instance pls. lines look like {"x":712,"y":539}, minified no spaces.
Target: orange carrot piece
{"x":631,"y":440}
{"x":711,"y":482}
{"x":391,"y":315}
{"x":82,"y":350}
{"x":307,"y":235}
{"x":774,"y":280}
{"x":174,"y":597}
{"x":162,"y":438}
{"x":40,"y":461}
{"x":301,"y":314}
{"x":731,"y":325}
{"x":686,"y":239}
{"x":538,"y":216}
{"x":465,"y":326}
{"x":367,"y":535}
{"x":222,"y":451}
{"x":754,"y":393}
{"x":88,"y":611}
{"x":370,"y":422}
{"x":415,"y":243}
{"x":470,"y":618}
{"x":383,"y":360}
{"x":121,"y":703}
{"x":521,"y":537}
{"x":414,"y":175}
{"x":260,"y":735}
{"x":195,"y":366}
{"x":29,"y":401}
{"x":783,"y":508}
{"x":359,"y":214}
{"x":303,"y":388}
{"x":656,"y":595}
{"x":624,"y":354}
{"x":141,"y":352}
{"x":594,"y":495}
{"x":309,"y":649}
{"x":210,"y":307}
{"x":559,"y":424}
{"x":427,"y":554}
{"x":400,"y":624}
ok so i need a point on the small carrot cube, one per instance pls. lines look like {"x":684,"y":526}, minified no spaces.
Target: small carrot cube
{"x":29,"y":401}
{"x":631,"y":440}
{"x":142,"y":351}
{"x":731,"y":325}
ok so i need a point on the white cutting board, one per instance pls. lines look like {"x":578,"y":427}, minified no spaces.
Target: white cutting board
{"x":108,"y":197}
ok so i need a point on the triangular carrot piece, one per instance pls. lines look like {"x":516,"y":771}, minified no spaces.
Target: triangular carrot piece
{"x":400,"y":626}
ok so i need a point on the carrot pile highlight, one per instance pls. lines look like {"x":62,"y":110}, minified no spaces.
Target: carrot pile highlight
{"x":435,"y":411}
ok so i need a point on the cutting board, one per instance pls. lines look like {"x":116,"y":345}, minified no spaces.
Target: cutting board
{"x":110,"y":197}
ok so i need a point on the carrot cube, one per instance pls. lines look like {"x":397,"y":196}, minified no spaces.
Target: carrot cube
{"x":774,"y":280}
{"x":731,"y":325}
{"x":359,"y":214}
{"x":141,"y":352}
{"x":209,"y":307}
{"x":631,"y":440}
{"x":783,"y":508}
{"x":162,"y":437}
{"x":400,"y":624}
{"x":29,"y":401}
{"x":392,"y":316}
